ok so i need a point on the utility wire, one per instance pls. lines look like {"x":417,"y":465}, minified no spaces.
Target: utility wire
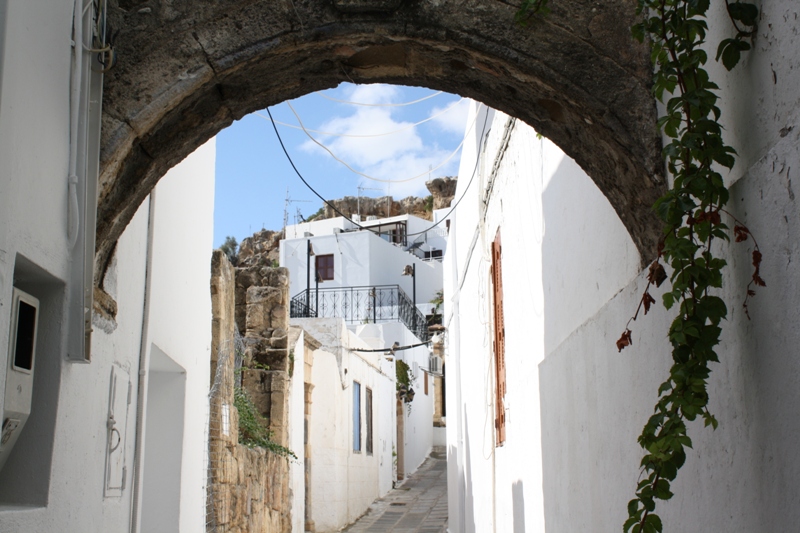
{"x":378,"y":105}
{"x":365,"y":136}
{"x":394,"y":348}
{"x":336,"y":210}
{"x":354,"y":171}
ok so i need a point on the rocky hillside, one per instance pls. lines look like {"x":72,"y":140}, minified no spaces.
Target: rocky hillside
{"x":442,"y":191}
{"x":262,"y":247}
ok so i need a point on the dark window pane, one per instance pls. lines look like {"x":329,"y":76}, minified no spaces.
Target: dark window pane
{"x":26,"y":329}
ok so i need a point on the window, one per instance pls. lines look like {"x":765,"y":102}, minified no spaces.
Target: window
{"x":325,"y":266}
{"x":426,"y":383}
{"x":434,"y":254}
{"x":499,"y":340}
{"x":356,"y":416}
{"x":368,"y":412}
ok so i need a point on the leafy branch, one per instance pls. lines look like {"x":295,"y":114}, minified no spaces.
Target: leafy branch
{"x":691,"y":212}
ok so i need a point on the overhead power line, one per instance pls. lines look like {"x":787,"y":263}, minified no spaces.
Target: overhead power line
{"x":367,"y":176}
{"x":366,"y":136}
{"x":337,"y":211}
{"x":378,"y":105}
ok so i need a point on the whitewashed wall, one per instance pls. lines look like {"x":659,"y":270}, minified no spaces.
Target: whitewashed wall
{"x":179,"y":315}
{"x":360,"y":259}
{"x":595,"y":401}
{"x":343,"y":482}
{"x":297,"y":402}
{"x":180,"y":310}
{"x":586,"y":403}
{"x":418,"y":422}
{"x":500,"y":488}
{"x":54,"y":479}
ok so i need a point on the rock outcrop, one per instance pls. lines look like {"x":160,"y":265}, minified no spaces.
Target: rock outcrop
{"x":259,"y":250}
{"x":443,"y":191}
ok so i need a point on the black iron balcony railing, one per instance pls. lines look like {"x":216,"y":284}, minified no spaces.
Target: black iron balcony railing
{"x":361,"y":305}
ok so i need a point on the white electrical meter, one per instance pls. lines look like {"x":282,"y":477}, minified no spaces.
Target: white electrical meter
{"x":19,"y":374}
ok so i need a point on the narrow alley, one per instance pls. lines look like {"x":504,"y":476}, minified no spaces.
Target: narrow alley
{"x":418,"y":506}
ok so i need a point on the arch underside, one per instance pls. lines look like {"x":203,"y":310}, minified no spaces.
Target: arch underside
{"x":188,"y":69}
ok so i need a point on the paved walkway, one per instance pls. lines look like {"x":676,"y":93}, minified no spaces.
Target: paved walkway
{"x":418,"y":506}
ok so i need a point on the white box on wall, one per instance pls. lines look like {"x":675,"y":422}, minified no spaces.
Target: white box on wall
{"x":19,"y":376}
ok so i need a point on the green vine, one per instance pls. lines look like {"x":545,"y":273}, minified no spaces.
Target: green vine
{"x":253,"y":430}
{"x":692,"y":214}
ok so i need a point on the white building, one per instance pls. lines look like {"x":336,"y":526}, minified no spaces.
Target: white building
{"x":347,"y":256}
{"x":568,"y":406}
{"x":499,"y":486}
{"x":360,"y":285}
{"x":116,"y":434}
{"x":350,"y":424}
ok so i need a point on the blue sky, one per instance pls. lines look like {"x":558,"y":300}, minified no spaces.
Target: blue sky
{"x":252,"y":173}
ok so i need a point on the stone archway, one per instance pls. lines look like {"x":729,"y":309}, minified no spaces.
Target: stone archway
{"x":189,"y":68}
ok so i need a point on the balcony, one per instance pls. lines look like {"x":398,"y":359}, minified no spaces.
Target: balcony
{"x":361,"y":305}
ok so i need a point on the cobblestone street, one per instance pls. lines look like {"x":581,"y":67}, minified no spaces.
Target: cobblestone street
{"x":418,"y":506}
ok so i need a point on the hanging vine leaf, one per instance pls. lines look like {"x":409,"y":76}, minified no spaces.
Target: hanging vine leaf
{"x":691,"y":212}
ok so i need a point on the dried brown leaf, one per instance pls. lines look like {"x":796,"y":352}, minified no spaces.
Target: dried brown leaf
{"x":647,"y":300}
{"x":657,"y":274}
{"x":624,"y":340}
{"x":740,"y":233}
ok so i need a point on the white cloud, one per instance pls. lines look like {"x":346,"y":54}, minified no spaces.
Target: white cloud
{"x":454,"y":120}
{"x":388,"y":157}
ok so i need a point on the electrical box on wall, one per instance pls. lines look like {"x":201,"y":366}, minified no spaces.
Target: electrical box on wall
{"x":19,"y":375}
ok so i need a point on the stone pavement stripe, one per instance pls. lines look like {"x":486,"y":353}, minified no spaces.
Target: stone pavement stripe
{"x":418,"y":506}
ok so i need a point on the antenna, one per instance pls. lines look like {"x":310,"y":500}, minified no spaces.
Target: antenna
{"x":288,"y":201}
{"x":358,"y":202}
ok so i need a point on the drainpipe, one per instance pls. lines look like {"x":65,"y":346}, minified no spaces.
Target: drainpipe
{"x":144,"y":363}
{"x":73,"y":220}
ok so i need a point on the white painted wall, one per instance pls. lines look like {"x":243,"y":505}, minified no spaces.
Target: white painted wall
{"x":297,"y":400}
{"x":344,"y":482}
{"x":570,"y":391}
{"x":180,"y":308}
{"x":418,"y":432}
{"x":56,"y":480}
{"x":500,"y":488}
{"x":595,"y":400}
{"x":361,"y":259}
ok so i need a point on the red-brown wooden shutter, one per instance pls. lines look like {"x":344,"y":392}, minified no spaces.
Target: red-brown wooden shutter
{"x":499,"y":340}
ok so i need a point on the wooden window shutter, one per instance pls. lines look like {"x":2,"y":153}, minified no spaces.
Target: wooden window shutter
{"x":499,"y":339}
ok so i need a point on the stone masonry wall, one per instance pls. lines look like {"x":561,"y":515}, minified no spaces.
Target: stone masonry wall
{"x":248,"y":487}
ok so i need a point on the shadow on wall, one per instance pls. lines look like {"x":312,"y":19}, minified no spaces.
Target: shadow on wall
{"x":518,"y":500}
{"x":469,"y":507}
{"x":587,"y":257}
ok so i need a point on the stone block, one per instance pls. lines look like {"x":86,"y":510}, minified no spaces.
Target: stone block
{"x":270,"y":296}
{"x":279,"y":342}
{"x":222,"y":502}
{"x":246,"y":277}
{"x":279,"y":316}
{"x":258,"y":319}
{"x":275,"y":359}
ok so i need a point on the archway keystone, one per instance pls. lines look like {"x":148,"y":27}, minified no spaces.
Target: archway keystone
{"x":189,"y":68}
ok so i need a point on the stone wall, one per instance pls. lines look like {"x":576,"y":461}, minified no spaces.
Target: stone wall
{"x":249,"y":487}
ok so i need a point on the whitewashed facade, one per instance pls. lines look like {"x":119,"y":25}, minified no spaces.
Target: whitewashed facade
{"x":571,"y":279}
{"x":350,"y":457}
{"x":73,"y":467}
{"x":363,"y":258}
{"x":344,"y":480}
